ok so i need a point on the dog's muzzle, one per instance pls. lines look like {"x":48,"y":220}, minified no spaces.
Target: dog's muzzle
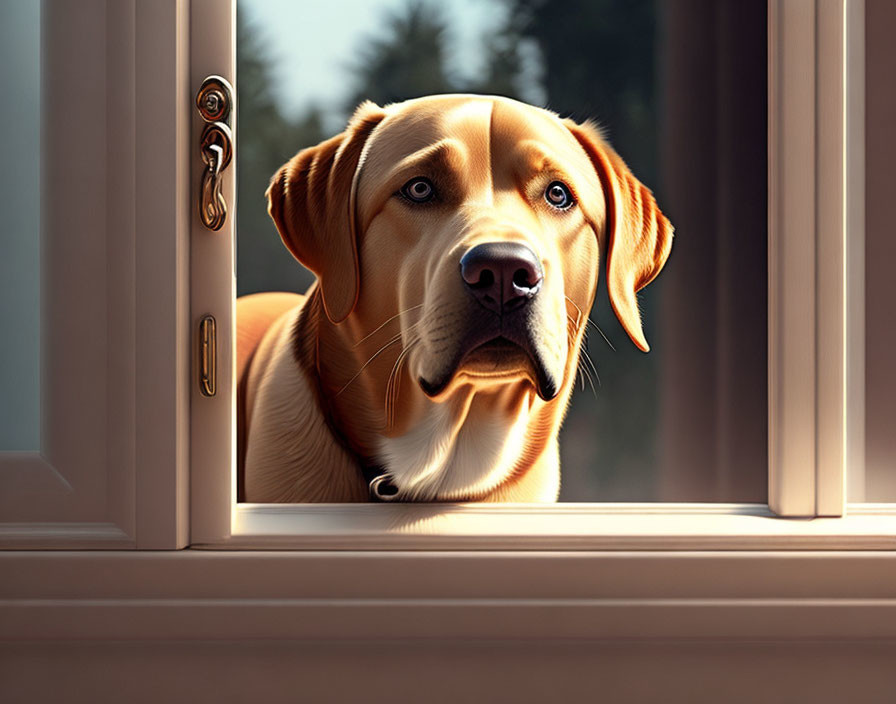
{"x":501,"y":327}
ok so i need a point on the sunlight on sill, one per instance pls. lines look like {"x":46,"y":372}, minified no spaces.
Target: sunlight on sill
{"x":622,"y":526}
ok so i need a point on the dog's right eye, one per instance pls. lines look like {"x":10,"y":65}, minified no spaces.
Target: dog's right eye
{"x":418,"y":190}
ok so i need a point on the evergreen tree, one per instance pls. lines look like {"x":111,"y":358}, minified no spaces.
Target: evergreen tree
{"x":265,"y":140}
{"x":408,"y":61}
{"x":503,"y":68}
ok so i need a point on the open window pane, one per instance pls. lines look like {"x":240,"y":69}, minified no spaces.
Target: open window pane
{"x":681,"y":90}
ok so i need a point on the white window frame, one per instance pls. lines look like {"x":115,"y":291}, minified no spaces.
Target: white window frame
{"x":816,"y":75}
{"x":156,"y":476}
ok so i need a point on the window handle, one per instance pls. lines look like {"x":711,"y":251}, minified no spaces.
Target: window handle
{"x":214,"y":101}
{"x":217,"y":150}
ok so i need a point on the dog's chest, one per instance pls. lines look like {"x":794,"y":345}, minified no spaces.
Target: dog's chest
{"x":455,"y":455}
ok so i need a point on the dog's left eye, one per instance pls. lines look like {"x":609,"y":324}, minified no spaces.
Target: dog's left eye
{"x":558,"y":195}
{"x":418,"y":190}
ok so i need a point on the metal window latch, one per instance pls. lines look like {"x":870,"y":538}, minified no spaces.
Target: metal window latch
{"x":216,"y":148}
{"x":208,"y":354}
{"x":214,"y":101}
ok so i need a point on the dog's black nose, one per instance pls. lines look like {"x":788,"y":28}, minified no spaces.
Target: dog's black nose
{"x":502,"y":276}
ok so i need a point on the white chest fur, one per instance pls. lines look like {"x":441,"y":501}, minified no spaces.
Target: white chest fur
{"x":456,"y":450}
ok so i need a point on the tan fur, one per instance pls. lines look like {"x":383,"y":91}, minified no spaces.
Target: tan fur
{"x":333,"y":384}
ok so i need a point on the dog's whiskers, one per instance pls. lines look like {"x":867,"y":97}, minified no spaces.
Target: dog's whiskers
{"x":589,"y":321}
{"x":396,"y":385}
{"x":571,"y":330}
{"x":385,"y":323}
{"x":584,"y":374}
{"x":579,"y":310}
{"x":584,"y":354}
{"x":397,"y":338}
{"x":376,"y":354}
{"x":584,"y":360}
{"x":392,"y":385}
{"x":606,"y":339}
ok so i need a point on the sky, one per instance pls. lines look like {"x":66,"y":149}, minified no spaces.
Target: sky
{"x":312,"y":43}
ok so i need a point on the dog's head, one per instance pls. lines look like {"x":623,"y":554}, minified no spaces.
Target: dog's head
{"x":478,"y":223}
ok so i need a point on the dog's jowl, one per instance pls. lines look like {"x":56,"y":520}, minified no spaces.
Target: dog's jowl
{"x":457,"y":241}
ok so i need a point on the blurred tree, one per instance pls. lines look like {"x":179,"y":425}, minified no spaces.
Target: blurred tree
{"x":266,"y":139}
{"x":503,"y":69}
{"x":409,"y":59}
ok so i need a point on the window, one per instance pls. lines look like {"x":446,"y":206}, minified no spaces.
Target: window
{"x":114,"y":437}
{"x":131,"y":455}
{"x":806,"y":457}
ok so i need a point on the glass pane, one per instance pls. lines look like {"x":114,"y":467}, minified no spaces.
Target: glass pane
{"x":879,"y":481}
{"x":20,"y":225}
{"x":680,"y":90}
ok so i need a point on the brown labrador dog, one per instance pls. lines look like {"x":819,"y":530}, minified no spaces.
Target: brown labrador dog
{"x":456,"y":242}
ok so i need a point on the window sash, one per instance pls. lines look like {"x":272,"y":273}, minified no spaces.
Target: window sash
{"x":115,"y":227}
{"x":816,"y":342}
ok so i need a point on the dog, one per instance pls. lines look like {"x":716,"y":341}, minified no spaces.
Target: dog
{"x":456,"y":241}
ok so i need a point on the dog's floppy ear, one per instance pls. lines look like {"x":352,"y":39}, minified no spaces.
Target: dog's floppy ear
{"x":311,"y":199}
{"x":640,"y":236}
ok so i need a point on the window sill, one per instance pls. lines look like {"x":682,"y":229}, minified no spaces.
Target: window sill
{"x":554,"y":527}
